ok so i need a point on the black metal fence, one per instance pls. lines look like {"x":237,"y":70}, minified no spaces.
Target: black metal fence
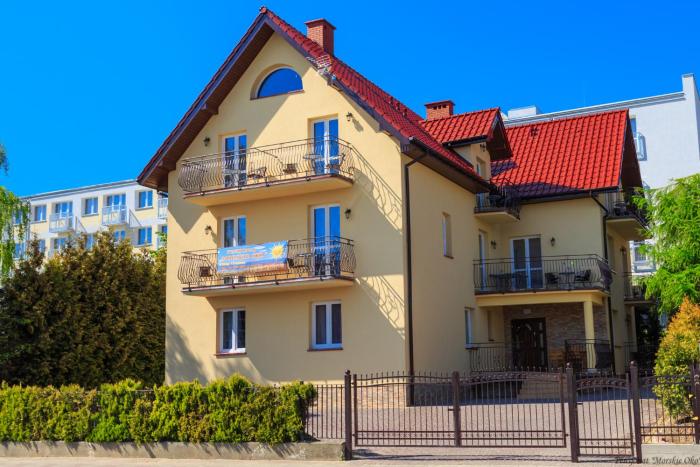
{"x":314,"y":257}
{"x":619,"y":205}
{"x":541,"y":273}
{"x":597,"y":415}
{"x":502,"y":197}
{"x":267,"y":164}
{"x":589,"y":354}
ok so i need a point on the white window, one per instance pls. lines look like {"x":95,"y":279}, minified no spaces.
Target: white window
{"x":63,"y":209}
{"x":480,"y":167}
{"x":42,"y":245}
{"x":59,"y":243}
{"x":119,"y":235}
{"x":19,"y":251}
{"x":39,"y":214}
{"x":446,"y":235}
{"x":115,"y":200}
{"x":468,"y":315}
{"x":234,"y":161}
{"x":89,"y":241}
{"x":144,"y":199}
{"x":326,"y":326}
{"x":144,"y":236}
{"x":89,"y":206}
{"x":234,"y":231}
{"x":163,"y":237}
{"x":232,"y":326}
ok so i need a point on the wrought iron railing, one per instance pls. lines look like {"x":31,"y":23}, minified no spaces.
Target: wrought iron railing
{"x":634,"y":288}
{"x":589,"y":354}
{"x":267,"y":164}
{"x":115,"y":215}
{"x":502,"y":197}
{"x":321,"y":257}
{"x":162,"y":208}
{"x":643,"y":354}
{"x":619,"y":204}
{"x":541,"y":273}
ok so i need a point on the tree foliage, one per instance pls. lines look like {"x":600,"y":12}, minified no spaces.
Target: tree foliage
{"x":14,"y":220}
{"x":674,"y":225}
{"x":85,"y":316}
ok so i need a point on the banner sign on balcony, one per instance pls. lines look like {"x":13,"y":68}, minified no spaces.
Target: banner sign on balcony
{"x":253,"y":259}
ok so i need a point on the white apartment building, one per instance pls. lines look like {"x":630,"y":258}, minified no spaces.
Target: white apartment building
{"x":129,"y":210}
{"x":667,"y":136}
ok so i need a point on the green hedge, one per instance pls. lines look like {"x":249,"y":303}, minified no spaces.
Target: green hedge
{"x":233,"y":410}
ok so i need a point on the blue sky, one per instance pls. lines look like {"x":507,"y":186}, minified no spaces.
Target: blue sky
{"x":89,"y":90}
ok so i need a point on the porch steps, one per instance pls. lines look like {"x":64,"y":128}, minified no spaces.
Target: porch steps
{"x":535,"y":388}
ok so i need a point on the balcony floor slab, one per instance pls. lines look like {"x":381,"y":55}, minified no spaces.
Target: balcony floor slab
{"x":270,"y":286}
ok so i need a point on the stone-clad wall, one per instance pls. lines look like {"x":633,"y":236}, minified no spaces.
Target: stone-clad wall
{"x":562,"y":321}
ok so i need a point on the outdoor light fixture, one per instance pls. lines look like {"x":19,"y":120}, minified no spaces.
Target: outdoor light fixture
{"x":208,"y":230}
{"x":552,"y":241}
{"x":207,"y":140}
{"x":493,"y":244}
{"x":348,"y":212}
{"x":348,"y":116}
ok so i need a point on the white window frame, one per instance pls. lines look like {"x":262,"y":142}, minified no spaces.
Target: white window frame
{"x":447,"y":235}
{"x":61,"y":213}
{"x":329,"y":326}
{"x":84,"y":212}
{"x":138,"y":199}
{"x":58,"y":240}
{"x":528,"y":257}
{"x":123,"y":237}
{"x":235,"y":230}
{"x":234,"y":338}
{"x":138,"y":234}
{"x":109,"y":199}
{"x":468,"y":326}
{"x":34,"y":208}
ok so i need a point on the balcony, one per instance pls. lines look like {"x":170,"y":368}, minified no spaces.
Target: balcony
{"x":500,"y":205}
{"x":635,"y":291}
{"x":623,"y":216}
{"x":116,"y":215}
{"x":162,"y":208}
{"x":589,"y":355}
{"x":640,"y":144}
{"x":303,"y":264}
{"x":64,"y":222}
{"x":268,"y":171}
{"x":546,"y":273}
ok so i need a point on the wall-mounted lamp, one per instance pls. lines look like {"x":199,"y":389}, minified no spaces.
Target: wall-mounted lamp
{"x":208,"y":230}
{"x":348,"y":116}
{"x":207,"y":140}
{"x":552,"y":241}
{"x":623,"y":250}
{"x":348,"y":213}
{"x":493,"y":244}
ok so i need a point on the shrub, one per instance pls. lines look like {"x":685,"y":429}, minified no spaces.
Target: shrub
{"x":677,"y":352}
{"x":232,"y":410}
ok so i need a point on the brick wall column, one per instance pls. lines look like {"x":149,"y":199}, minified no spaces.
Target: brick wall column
{"x":589,"y":328}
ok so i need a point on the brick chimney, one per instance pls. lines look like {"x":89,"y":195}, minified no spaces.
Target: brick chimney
{"x":321,"y":32}
{"x":439,"y":109}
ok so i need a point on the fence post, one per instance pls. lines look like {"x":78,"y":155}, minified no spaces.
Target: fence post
{"x":695,"y":403}
{"x":456,"y":415}
{"x":355,"y":418}
{"x":573,"y":413}
{"x":348,"y":416}
{"x":636,"y":411}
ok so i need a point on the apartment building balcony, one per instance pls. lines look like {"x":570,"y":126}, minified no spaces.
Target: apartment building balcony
{"x":116,"y":215}
{"x":62,"y":222}
{"x":501,"y":204}
{"x":163,"y":208}
{"x":274,"y":267}
{"x":635,"y":291}
{"x":623,"y":216}
{"x":271,"y":171}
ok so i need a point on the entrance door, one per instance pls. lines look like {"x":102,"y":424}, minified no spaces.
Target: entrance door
{"x":234,"y":160}
{"x":527,"y":263}
{"x":529,"y":343}
{"x":326,"y":241}
{"x":326,"y":146}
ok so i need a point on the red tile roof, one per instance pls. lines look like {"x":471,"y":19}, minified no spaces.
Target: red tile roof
{"x":398,"y":115}
{"x":463,"y":126}
{"x":567,"y":155}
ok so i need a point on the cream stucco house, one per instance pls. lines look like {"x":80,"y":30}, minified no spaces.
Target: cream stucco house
{"x":317,"y":224}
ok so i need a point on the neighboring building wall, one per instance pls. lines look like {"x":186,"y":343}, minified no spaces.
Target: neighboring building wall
{"x":278,"y":327}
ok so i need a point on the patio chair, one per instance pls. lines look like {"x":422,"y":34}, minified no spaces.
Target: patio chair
{"x":583,"y":277}
{"x":552,"y":279}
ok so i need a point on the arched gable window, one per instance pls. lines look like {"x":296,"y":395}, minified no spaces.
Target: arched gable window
{"x":280,"y":81}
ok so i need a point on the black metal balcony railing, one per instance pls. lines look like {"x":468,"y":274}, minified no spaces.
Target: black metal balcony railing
{"x":589,"y":354}
{"x":541,"y":273}
{"x":322,"y":257}
{"x":503,"y":197}
{"x":619,"y":204}
{"x":644,"y":355}
{"x":267,"y":164}
{"x":634,"y":288}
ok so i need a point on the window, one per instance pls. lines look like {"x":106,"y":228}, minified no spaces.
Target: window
{"x":89,"y":241}
{"x":42,"y":245}
{"x":115,"y":200}
{"x":144,"y":236}
{"x":639,"y":254}
{"x":119,"y":235}
{"x":17,"y":218}
{"x":59,"y":243}
{"x":162,"y":239}
{"x":633,"y":125}
{"x":234,"y":231}
{"x":89,"y":206}
{"x":326,"y":157}
{"x":326,"y":326}
{"x":526,"y":253}
{"x":482,"y":259}
{"x":63,"y":209}
{"x":480,"y":167}
{"x":39,"y":214}
{"x":446,"y":235}
{"x":232,"y":325}
{"x":19,"y":250}
{"x":280,"y":81}
{"x":144,"y":199}
{"x":468,"y":312}
{"x":234,"y":163}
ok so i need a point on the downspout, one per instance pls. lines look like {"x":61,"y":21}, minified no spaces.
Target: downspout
{"x":605,"y":255}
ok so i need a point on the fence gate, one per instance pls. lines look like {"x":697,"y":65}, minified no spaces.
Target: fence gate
{"x":603,"y":415}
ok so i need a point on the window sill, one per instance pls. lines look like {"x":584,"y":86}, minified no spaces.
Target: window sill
{"x":37,"y":222}
{"x":89,"y":214}
{"x":323,"y":349}
{"x":237,"y":353}
{"x":144,"y":208}
{"x":449,"y":256}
